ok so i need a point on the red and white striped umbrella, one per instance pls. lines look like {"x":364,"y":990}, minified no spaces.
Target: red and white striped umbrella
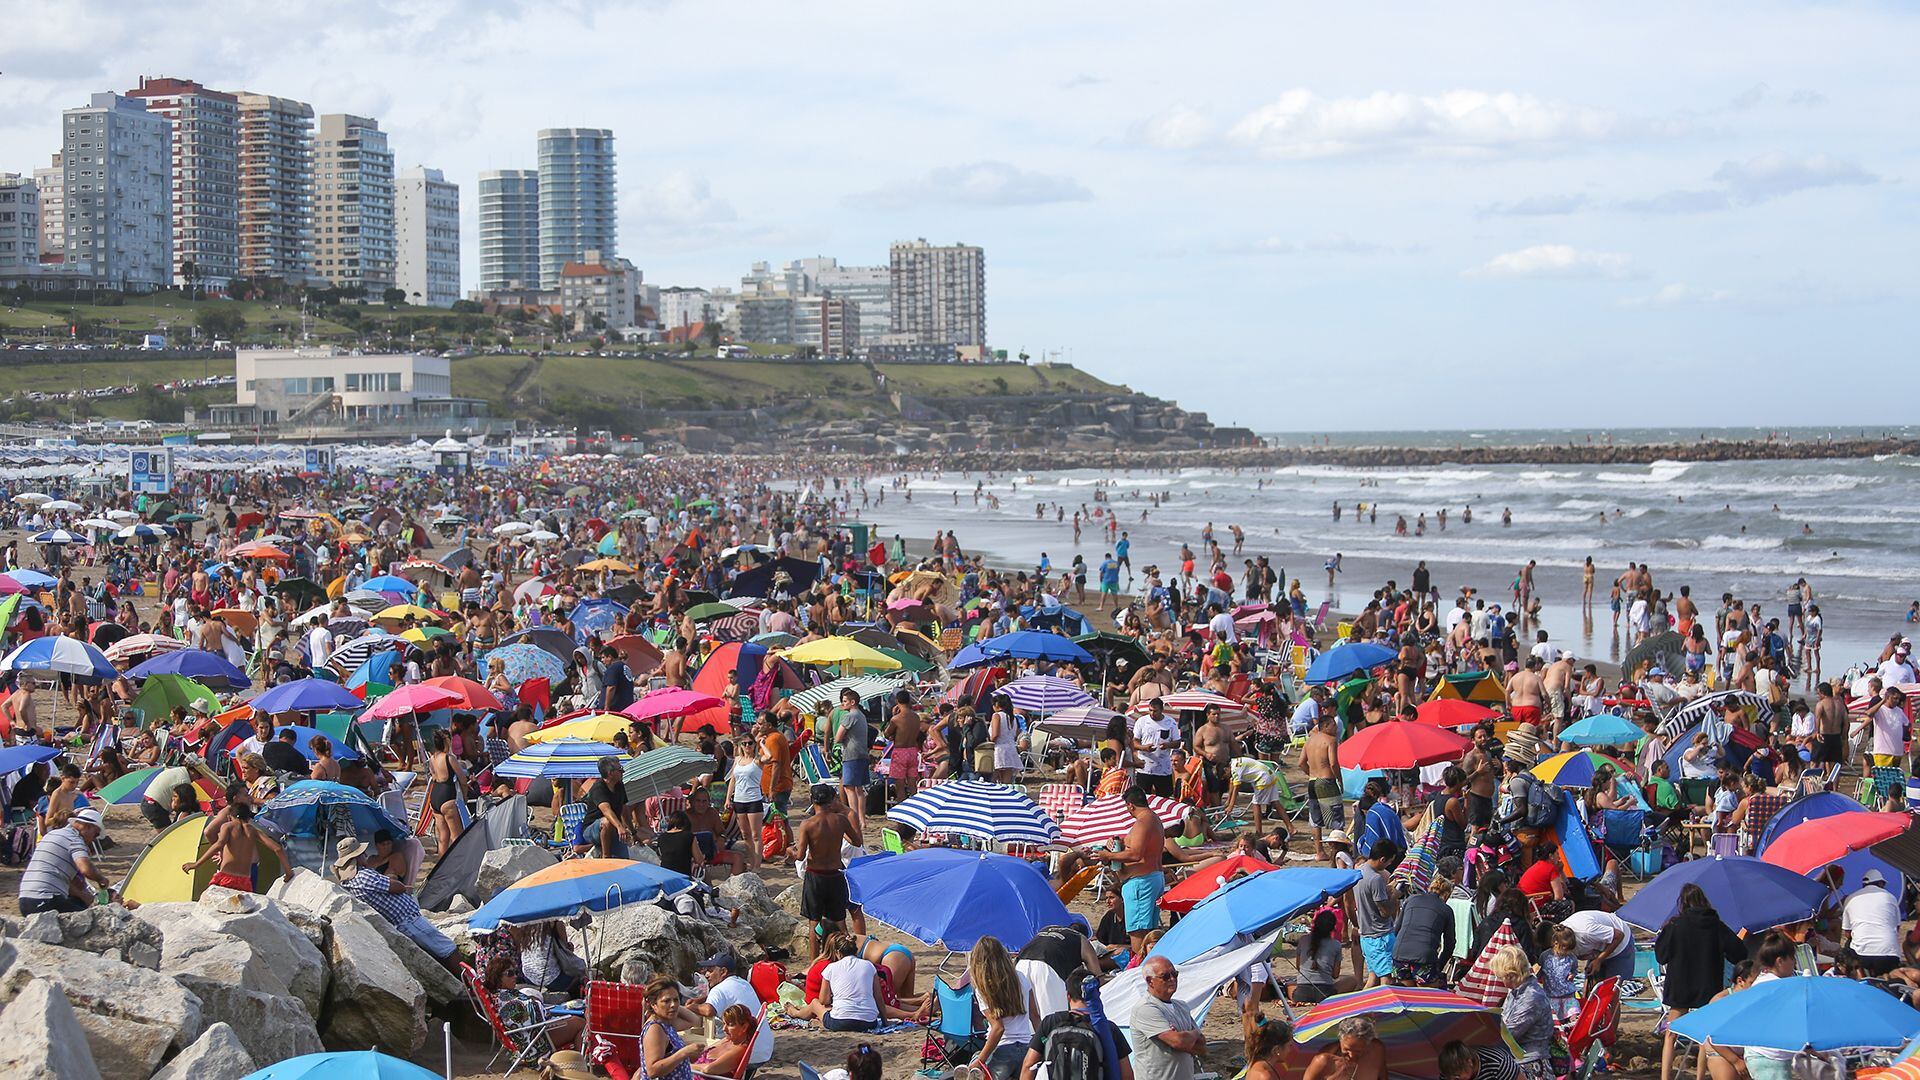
{"x":1108,"y":816}
{"x":140,"y":646}
{"x":1195,"y":700}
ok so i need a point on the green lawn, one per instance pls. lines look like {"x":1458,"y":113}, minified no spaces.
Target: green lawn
{"x":86,"y":375}
{"x":965,"y":380}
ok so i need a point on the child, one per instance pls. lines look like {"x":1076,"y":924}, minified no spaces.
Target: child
{"x":1556,"y":975}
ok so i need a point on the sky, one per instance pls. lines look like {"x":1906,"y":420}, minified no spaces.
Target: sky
{"x":1372,"y":216}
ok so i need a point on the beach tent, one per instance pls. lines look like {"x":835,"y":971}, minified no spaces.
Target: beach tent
{"x":758,"y":581}
{"x":456,"y":872}
{"x":156,"y":875}
{"x":1481,"y":686}
{"x":745,"y":660}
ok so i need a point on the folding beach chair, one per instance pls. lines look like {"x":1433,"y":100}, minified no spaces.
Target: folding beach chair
{"x":1883,"y":782}
{"x":617,"y":1013}
{"x":527,"y":1042}
{"x":1595,"y":1028}
{"x":956,"y":1033}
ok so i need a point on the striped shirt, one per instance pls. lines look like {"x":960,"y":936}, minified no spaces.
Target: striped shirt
{"x":54,"y":865}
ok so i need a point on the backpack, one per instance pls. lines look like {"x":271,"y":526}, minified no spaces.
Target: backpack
{"x":1542,"y":804}
{"x":1074,"y":1051}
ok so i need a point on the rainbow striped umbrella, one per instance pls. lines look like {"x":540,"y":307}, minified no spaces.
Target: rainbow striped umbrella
{"x":561,"y":759}
{"x":1575,"y":768}
{"x":1413,"y":1024}
{"x":574,"y":886}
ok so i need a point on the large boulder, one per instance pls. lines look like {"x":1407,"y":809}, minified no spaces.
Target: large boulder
{"x":503,"y":866}
{"x":107,"y":929}
{"x":133,"y":1017}
{"x":771,"y":925}
{"x":373,"y":1001}
{"x":216,"y":1055}
{"x":241,"y":940}
{"x":311,"y":894}
{"x":649,"y":937}
{"x":272,"y":1027}
{"x":314,"y":903}
{"x":41,"y":1037}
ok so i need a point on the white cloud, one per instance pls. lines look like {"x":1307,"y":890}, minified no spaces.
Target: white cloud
{"x":1537,"y":206}
{"x":1179,"y":128}
{"x":1770,"y":176}
{"x":1678,"y":294}
{"x":1302,"y":124}
{"x":682,"y":198}
{"x":1556,"y":261}
{"x":982,"y":183}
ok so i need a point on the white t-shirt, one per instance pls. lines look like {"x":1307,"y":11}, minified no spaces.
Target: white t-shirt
{"x":319,"y":644}
{"x":851,"y":978}
{"x":1164,"y":732}
{"x":1594,"y":929}
{"x":1017,"y":1028}
{"x":1872,"y":916}
{"x":1896,"y":672}
{"x":734,"y":990}
{"x":1547,"y":651}
{"x":1222,"y":627}
{"x":1889,"y":731}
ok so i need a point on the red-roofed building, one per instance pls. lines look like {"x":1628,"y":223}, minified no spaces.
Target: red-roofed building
{"x":599,"y":288}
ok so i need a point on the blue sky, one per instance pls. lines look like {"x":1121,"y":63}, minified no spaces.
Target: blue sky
{"x":1368,"y":215}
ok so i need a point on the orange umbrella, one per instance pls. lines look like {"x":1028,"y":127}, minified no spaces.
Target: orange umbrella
{"x":243,"y":621}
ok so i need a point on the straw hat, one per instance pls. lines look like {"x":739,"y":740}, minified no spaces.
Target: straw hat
{"x":568,"y":1065}
{"x":1339,"y":836}
{"x":1523,"y":744}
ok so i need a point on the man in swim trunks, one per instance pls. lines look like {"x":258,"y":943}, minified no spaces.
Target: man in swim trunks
{"x":1141,"y":879}
{"x":1526,"y":691}
{"x":823,"y":879}
{"x":236,"y":845}
{"x":1319,"y":759}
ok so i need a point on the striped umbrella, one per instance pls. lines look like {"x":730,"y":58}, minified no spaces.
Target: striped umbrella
{"x":979,"y":809}
{"x":1193,"y":700}
{"x":561,"y":759}
{"x":58,"y":537}
{"x":1107,"y":817}
{"x":1085,"y":722}
{"x":577,"y":885}
{"x":1413,"y":1023}
{"x":661,"y":770}
{"x":139,"y":645}
{"x":1045,"y":694}
{"x":1480,"y":983}
{"x":1714,"y":706}
{"x":60,"y":655}
{"x":828,"y":693}
{"x":352,"y":654}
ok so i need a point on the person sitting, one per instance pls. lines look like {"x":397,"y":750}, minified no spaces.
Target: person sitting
{"x":546,"y":961}
{"x":61,"y":865}
{"x":1072,"y":1023}
{"x":282,"y":753}
{"x":1266,"y":1045}
{"x":519,"y":1007}
{"x":1318,"y":957}
{"x":382,"y":883}
{"x":1359,"y":1055}
{"x":722,"y":1056}
{"x":849,"y":994}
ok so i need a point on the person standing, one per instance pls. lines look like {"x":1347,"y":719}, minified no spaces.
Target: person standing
{"x":1167,"y":1044}
{"x":1141,"y":879}
{"x":1155,"y":736}
{"x":823,"y":880}
{"x":1319,"y":758}
{"x":854,"y":735}
{"x":1374,"y":913}
{"x":1006,"y":1001}
{"x":1695,"y":949}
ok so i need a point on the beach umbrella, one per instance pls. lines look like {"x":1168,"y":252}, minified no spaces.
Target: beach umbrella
{"x":1575,"y":768}
{"x":10,"y":587}
{"x":184,"y":518}
{"x":144,"y":534}
{"x":1452,"y":713}
{"x":1192,"y":701}
{"x":601,"y":727}
{"x":206,"y":668}
{"x":1085,"y":722}
{"x":1400,"y":745}
{"x":601,"y":566}
{"x":161,"y":694}
{"x":472,"y":695}
{"x":420,"y":635}
{"x":669,"y":702}
{"x":31,"y":580}
{"x":664,"y":769}
{"x":302,"y":735}
{"x":1035,"y":645}
{"x":1666,"y":651}
{"x":566,"y":889}
{"x":121,"y":517}
{"x":351,"y":654}
{"x":138,"y":645}
{"x":105,"y":634}
{"x":300,"y":591}
{"x":1603,"y":729}
{"x":713,"y":610}
{"x":1045,"y":693}
{"x":642,"y":656}
{"x":561,"y":759}
{"x":952,"y":898}
{"x":390,"y":583}
{"x":969,"y":656}
{"x":840,"y":652}
{"x":1413,"y":1023}
{"x":827,"y":694}
{"x":402,"y":612}
{"x":32,"y":498}
{"x":15,"y":758}
{"x":546,"y":638}
{"x":1812,"y":844}
{"x":976,"y":808}
{"x":343,"y":1065}
{"x":1108,"y":816}
{"x":522,"y":661}
{"x":61,"y":655}
{"x":98,"y":523}
{"x":531,"y":589}
{"x":1205,"y":882}
{"x":58,"y":538}
{"x":306,"y":695}
{"x":1713,"y":705}
{"x":1251,"y":905}
{"x":1344,"y":660}
{"x":597,"y":616}
{"x":775,"y":639}
{"x":1750,"y":894}
{"x":406,"y":700}
{"x":1804,"y":1013}
{"x":511,"y":528}
{"x":1118,"y":655}
{"x":307,"y":807}
{"x":131,"y":788}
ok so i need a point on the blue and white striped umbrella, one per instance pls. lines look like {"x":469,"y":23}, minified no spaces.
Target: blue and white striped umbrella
{"x":561,"y":759}
{"x":977,"y":808}
{"x":1044,"y":693}
{"x":59,"y":536}
{"x":144,"y":533}
{"x":828,"y":693}
{"x":60,"y":655}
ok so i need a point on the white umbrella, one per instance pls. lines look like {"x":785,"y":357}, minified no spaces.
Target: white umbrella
{"x":537,"y":536}
{"x":97,"y":523}
{"x":511,"y":527}
{"x":32,"y":498}
{"x":123,"y":516}
{"x":62,"y":506}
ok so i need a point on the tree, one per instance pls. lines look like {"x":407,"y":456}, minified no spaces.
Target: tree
{"x":711,"y":331}
{"x":220,"y":323}
{"x":466,"y":307}
{"x":394,"y":297}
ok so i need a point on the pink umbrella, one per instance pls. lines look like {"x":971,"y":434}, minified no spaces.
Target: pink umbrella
{"x":9,"y":587}
{"x":417,"y":698}
{"x":670,"y":702}
{"x":1107,"y":817}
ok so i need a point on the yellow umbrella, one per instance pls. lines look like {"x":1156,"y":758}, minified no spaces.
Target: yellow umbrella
{"x":601,"y":728}
{"x":401,"y":611}
{"x":337,"y":587}
{"x":598,"y":565}
{"x":843,"y":651}
{"x":420,"y":635}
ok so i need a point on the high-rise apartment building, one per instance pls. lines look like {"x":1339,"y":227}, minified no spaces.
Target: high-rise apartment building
{"x":117,"y":178}
{"x":830,"y":324}
{"x":939,"y":293}
{"x":869,"y":287}
{"x":205,"y":158}
{"x":52,"y":184}
{"x":276,"y":187}
{"x":19,"y":225}
{"x":426,"y":237}
{"x":577,"y":210}
{"x":509,"y":229}
{"x":353,"y":204}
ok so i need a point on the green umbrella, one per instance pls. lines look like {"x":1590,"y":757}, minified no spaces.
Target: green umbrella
{"x":164,"y":693}
{"x":121,"y":788}
{"x":700,"y":504}
{"x":664,"y":769}
{"x":908,"y":661}
{"x":703,"y":612}
{"x":184,"y":519}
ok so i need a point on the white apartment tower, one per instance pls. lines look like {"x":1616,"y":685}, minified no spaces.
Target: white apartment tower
{"x":52,"y":182}
{"x":870,"y":287}
{"x":939,"y":293}
{"x":205,"y":158}
{"x":117,"y":179}
{"x":19,"y":225}
{"x":276,"y":187}
{"x":353,"y":204}
{"x":577,"y":209}
{"x":509,"y":229}
{"x":426,"y":237}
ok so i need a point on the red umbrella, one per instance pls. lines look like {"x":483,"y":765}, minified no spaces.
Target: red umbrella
{"x":1400,"y":745}
{"x":1813,"y":844}
{"x":1453,"y":713}
{"x":417,"y":698}
{"x":1205,"y":882}
{"x":472,"y":694}
{"x":642,"y":656}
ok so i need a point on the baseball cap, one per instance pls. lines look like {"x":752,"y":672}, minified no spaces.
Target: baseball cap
{"x":1873,"y":877}
{"x":721,"y":959}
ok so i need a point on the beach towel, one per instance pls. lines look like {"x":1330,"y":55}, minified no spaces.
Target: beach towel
{"x":1480,"y":983}
{"x":1416,"y":870}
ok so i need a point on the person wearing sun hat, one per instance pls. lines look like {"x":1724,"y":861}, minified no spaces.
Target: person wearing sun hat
{"x":1342,"y":845}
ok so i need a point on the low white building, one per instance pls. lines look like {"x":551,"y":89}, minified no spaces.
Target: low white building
{"x":600,"y":288}
{"x":321,"y":387}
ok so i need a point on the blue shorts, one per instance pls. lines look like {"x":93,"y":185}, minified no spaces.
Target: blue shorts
{"x":1378,"y":951}
{"x":855,"y":772}
{"x":1140,"y":899}
{"x":590,"y":837}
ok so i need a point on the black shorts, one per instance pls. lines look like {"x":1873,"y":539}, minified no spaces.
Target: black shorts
{"x":1155,"y":785}
{"x":755,"y":807}
{"x":823,"y":895}
{"x":1479,"y":810}
{"x":1216,"y":777}
{"x":1830,"y":749}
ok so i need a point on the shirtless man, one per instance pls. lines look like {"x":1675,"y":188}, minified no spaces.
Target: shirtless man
{"x":673,"y":668}
{"x":1525,"y":693}
{"x":1141,"y":879}
{"x":905,"y":730}
{"x":1215,"y":747}
{"x":1320,"y":760}
{"x":1360,"y":1055}
{"x":236,"y":844}
{"x":823,"y":881}
{"x":1557,"y":684}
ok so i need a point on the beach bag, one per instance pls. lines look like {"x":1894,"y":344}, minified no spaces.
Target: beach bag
{"x":1541,"y":804}
{"x":1074,"y":1051}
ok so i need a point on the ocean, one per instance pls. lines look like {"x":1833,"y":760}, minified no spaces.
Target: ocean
{"x":1850,"y":527}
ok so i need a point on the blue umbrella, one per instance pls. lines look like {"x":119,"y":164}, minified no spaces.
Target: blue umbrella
{"x":577,"y":885}
{"x":525,"y":662}
{"x":980,"y":809}
{"x":378,"y":668}
{"x":343,"y":1065}
{"x":1749,"y":894}
{"x":1804,"y":1012}
{"x":303,"y":735}
{"x":1035,"y":645}
{"x":969,"y":656}
{"x":391,"y":583}
{"x":1250,"y":905}
{"x":144,"y":533}
{"x":595,"y":616}
{"x":15,"y":758}
{"x":1343,"y":660}
{"x":299,"y":809}
{"x":202,"y":666}
{"x":1604,"y":729}
{"x":306,"y":695}
{"x":34,"y":579}
{"x":954,"y":898}
{"x":61,"y":655}
{"x":561,"y":759}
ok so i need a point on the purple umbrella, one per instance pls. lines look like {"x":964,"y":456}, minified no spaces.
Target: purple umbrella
{"x":208,"y":668}
{"x":1044,"y":694}
{"x":306,"y":695}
